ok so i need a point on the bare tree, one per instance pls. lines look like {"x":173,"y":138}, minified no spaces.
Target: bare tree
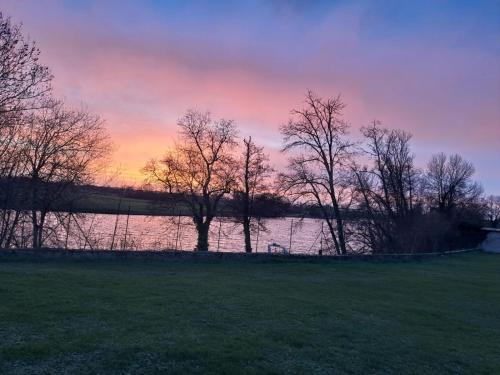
{"x":386,"y":191}
{"x":158,"y":172}
{"x":492,"y":208}
{"x":449,"y":184}
{"x":23,"y":80}
{"x":11,"y":168}
{"x":200,"y":168}
{"x":251,"y":180}
{"x":316,"y":171}
{"x":62,"y":148}
{"x":23,"y":84}
{"x":45,"y":150}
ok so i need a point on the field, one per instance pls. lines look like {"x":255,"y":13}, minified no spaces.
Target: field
{"x":113,"y":204}
{"x":434,"y":316}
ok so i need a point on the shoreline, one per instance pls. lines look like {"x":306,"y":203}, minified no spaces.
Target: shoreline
{"x":210,"y":256}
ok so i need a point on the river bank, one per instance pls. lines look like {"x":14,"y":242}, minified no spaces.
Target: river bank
{"x":211,"y":256}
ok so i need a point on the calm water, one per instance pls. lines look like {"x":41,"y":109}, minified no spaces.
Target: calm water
{"x":160,"y":233}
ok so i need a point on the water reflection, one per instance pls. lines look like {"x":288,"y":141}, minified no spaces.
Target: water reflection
{"x":135,"y":232}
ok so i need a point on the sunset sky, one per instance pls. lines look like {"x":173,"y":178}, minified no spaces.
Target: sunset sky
{"x":429,"y":67}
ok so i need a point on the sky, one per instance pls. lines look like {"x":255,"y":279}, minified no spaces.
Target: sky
{"x":429,"y":67}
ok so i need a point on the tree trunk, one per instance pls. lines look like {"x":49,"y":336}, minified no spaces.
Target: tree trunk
{"x":246,"y":219}
{"x":202,"y":228}
{"x":333,"y":235}
{"x":340,"y":230}
{"x":38,"y":225}
{"x":41,"y":225}
{"x":12,"y":230}
{"x":341,"y":248}
{"x":34,"y":214}
{"x":246,"y":197}
{"x":34,"y":221}
{"x":246,"y":232}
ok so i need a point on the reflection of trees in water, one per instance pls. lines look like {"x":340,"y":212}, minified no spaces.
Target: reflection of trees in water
{"x":95,"y":232}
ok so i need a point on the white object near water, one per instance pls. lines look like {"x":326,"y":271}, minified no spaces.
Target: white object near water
{"x":276,"y":248}
{"x":492,"y":242}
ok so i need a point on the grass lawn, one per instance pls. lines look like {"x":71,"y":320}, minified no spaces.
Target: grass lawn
{"x":126,"y":316}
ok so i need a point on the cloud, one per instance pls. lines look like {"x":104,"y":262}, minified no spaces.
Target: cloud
{"x":141,"y":67}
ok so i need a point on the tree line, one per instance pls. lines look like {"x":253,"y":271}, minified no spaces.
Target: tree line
{"x":404,"y":208}
{"x":51,"y":149}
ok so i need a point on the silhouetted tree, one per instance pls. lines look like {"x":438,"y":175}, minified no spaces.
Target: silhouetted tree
{"x":387,"y":190}
{"x":251,"y":181}
{"x":454,"y":198}
{"x":23,"y":80}
{"x":317,"y":171}
{"x":449,"y":184}
{"x":24,"y":83}
{"x":200,"y":168}
{"x":11,"y":168}
{"x":61,"y":149}
{"x":492,"y":209}
{"x":159,"y":173}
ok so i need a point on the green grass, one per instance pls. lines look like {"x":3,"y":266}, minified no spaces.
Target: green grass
{"x":125,"y":316}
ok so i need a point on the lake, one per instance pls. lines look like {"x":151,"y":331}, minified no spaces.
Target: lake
{"x":136,"y":232}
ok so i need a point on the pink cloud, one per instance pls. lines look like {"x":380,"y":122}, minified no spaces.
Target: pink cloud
{"x":142,"y":85}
